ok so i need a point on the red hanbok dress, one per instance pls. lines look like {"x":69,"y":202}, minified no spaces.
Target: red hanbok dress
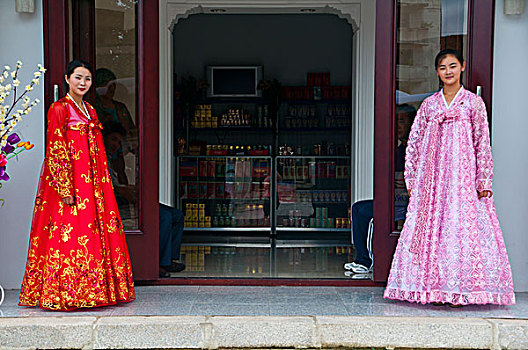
{"x":77,"y":255}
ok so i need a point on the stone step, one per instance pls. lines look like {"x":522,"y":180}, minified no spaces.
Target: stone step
{"x":214,"y":332}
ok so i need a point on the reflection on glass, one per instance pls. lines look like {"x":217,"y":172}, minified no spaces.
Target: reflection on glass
{"x":315,"y":262}
{"x":115,"y":100}
{"x":313,"y":192}
{"x":424,"y":28}
{"x":255,"y":262}
{"x":225,"y":191}
{"x":207,"y":261}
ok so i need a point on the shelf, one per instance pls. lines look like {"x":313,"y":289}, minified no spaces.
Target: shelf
{"x":314,"y":157}
{"x":218,"y":181}
{"x":312,"y":229}
{"x":329,"y":203}
{"x":336,"y":101}
{"x":343,"y":129}
{"x":308,"y":135}
{"x":232,"y":100}
{"x":287,"y":243}
{"x":223,"y":157}
{"x":234,"y":128}
{"x":260,"y":200}
{"x":227,"y":229}
{"x":227,"y":244}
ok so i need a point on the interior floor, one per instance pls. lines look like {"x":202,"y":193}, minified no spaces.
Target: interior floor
{"x":265,"y":262}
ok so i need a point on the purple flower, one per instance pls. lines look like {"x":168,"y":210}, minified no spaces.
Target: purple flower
{"x":13,"y":138}
{"x":8,"y":149}
{"x":3,"y":174}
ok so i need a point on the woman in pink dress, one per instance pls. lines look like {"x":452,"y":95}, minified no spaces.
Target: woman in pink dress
{"x":451,"y":248}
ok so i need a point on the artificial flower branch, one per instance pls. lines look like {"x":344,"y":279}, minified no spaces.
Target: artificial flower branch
{"x":7,"y":120}
{"x":10,"y":144}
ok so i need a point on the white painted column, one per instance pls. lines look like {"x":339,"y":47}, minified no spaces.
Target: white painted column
{"x":510,"y":137}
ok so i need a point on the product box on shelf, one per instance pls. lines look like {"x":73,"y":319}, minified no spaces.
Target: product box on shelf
{"x":211,"y":169}
{"x":286,"y":192}
{"x":202,"y":169}
{"x":259,"y":152}
{"x":216,"y":152}
{"x":260,"y":168}
{"x":203,"y":189}
{"x":196,"y":148}
{"x":220,"y":189}
{"x":183,"y":189}
{"x":189,"y":168}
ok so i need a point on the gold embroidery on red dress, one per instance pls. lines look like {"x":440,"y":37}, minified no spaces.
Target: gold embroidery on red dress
{"x":77,"y":255}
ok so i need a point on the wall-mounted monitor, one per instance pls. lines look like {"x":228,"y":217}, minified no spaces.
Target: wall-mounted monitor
{"x":234,"y":81}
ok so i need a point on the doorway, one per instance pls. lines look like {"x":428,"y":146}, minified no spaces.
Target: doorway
{"x":263,"y":132}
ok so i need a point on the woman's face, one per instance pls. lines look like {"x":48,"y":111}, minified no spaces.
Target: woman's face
{"x":449,"y":70}
{"x":79,"y":81}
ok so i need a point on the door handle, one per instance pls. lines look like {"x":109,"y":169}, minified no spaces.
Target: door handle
{"x":55,"y":92}
{"x":479,"y":90}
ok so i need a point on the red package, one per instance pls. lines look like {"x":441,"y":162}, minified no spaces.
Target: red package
{"x":211,"y":168}
{"x":202,"y":169}
{"x":310,"y":80}
{"x":210,"y":190}
{"x":318,"y":79}
{"x":326,"y":79}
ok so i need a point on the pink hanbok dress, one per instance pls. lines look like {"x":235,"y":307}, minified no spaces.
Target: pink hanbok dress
{"x":451,"y":248}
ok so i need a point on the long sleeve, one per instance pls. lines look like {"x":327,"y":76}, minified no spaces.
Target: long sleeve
{"x":482,"y":146}
{"x":58,"y":159}
{"x":412,"y":151}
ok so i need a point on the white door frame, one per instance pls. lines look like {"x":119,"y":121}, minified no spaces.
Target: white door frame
{"x":361,"y":14}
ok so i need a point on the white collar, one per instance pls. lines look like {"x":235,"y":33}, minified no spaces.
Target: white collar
{"x":83,"y":111}
{"x":454,"y":98}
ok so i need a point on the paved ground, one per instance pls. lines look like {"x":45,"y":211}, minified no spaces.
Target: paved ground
{"x":206,"y":317}
{"x":271,"y":301}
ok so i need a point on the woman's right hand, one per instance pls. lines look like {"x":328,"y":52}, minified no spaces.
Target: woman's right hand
{"x":68,"y":200}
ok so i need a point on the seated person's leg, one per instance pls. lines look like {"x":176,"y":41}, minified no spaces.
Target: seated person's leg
{"x":171,"y":231}
{"x":178,"y":222}
{"x":361,"y":215}
{"x":164,"y":239}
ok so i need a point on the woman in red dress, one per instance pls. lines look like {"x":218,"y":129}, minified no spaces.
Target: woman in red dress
{"x":77,"y":255}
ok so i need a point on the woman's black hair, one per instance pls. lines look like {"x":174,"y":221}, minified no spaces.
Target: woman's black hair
{"x":76,"y":64}
{"x":442,"y":54}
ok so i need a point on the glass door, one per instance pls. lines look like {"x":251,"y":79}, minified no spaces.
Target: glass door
{"x":112,"y":35}
{"x":405,"y":76}
{"x":423,"y":30}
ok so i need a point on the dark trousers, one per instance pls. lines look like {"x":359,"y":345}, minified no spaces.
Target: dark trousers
{"x":362,"y":212}
{"x":171,"y":221}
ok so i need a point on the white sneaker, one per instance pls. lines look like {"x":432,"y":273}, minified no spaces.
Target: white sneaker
{"x":358,"y":276}
{"x":357,"y":268}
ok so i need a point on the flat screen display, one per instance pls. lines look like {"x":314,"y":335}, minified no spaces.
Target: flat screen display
{"x":234,"y":81}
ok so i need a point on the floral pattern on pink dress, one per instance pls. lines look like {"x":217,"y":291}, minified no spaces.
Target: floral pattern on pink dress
{"x":451,"y":248}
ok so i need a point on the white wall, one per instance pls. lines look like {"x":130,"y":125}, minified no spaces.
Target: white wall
{"x":22,"y":40}
{"x":510,"y":137}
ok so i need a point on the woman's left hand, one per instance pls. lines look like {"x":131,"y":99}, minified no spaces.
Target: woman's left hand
{"x":486,"y":194}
